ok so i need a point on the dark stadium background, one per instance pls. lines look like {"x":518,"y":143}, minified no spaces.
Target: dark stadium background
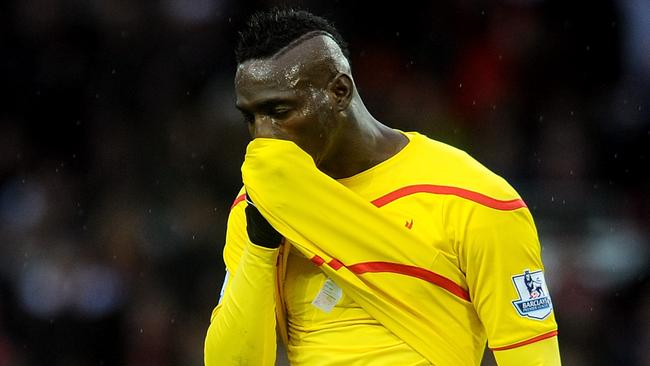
{"x":120,"y":151}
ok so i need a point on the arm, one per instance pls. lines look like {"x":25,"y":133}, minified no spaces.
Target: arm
{"x":242,"y":326}
{"x":497,"y":248}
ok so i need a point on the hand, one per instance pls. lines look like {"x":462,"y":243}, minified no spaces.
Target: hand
{"x":260,"y":232}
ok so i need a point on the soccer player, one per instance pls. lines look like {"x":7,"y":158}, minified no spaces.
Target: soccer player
{"x":359,"y":244}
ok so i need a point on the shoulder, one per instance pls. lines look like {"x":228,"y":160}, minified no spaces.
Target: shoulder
{"x":452,"y":167}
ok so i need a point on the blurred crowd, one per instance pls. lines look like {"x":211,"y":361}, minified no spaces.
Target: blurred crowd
{"x":120,"y":150}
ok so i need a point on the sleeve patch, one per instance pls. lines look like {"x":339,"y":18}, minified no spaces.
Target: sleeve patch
{"x":534,"y":300}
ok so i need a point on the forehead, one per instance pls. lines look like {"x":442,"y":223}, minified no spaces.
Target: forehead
{"x":269,"y":73}
{"x":258,"y":81}
{"x":307,"y":63}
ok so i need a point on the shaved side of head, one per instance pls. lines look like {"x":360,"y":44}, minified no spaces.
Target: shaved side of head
{"x":313,"y":59}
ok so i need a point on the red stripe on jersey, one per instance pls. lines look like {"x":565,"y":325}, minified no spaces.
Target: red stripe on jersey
{"x":411,"y":271}
{"x":240,"y":198}
{"x":460,"y":192}
{"x":528,"y":341}
{"x":317,"y":260}
{"x":335,"y":264}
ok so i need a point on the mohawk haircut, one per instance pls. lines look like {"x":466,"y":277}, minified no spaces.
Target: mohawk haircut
{"x":267,"y":32}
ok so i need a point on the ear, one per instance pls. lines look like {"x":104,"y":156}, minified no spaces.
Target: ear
{"x":342,"y":89}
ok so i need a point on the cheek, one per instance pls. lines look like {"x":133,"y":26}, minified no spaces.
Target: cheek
{"x":312,"y":135}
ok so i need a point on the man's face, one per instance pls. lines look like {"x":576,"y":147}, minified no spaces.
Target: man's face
{"x":285,"y":99}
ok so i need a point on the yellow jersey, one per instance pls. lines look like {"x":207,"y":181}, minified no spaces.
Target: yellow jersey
{"x":420,"y":259}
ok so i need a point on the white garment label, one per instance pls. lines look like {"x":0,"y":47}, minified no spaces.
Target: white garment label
{"x":223,"y":287}
{"x":328,"y":296}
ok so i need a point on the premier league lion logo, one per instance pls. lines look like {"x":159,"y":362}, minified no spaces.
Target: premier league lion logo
{"x":534,"y":301}
{"x":534,"y":286}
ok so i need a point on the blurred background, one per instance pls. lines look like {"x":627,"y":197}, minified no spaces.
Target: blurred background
{"x":120,"y":150}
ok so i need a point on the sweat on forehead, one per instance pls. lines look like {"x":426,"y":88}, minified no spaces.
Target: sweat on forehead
{"x":311,"y":57}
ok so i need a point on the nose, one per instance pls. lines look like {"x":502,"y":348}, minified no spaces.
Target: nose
{"x":261,"y":127}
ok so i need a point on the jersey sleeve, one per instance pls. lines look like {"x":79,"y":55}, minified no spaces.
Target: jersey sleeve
{"x":542,"y":353}
{"x":500,"y":254}
{"x":242,"y":326}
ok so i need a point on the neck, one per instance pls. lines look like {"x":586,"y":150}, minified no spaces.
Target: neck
{"x":361,"y":143}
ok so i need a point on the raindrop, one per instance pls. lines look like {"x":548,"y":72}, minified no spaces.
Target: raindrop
{"x":587,"y":48}
{"x":141,"y":330}
{"x":149,"y":210}
{"x":113,"y":71}
{"x":460,"y":85}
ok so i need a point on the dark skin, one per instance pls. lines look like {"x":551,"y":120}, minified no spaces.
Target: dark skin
{"x":305,"y":94}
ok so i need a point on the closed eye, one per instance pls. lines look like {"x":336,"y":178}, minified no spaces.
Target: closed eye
{"x":279,"y":113}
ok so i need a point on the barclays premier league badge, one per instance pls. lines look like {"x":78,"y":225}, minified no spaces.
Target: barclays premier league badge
{"x":534,"y":300}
